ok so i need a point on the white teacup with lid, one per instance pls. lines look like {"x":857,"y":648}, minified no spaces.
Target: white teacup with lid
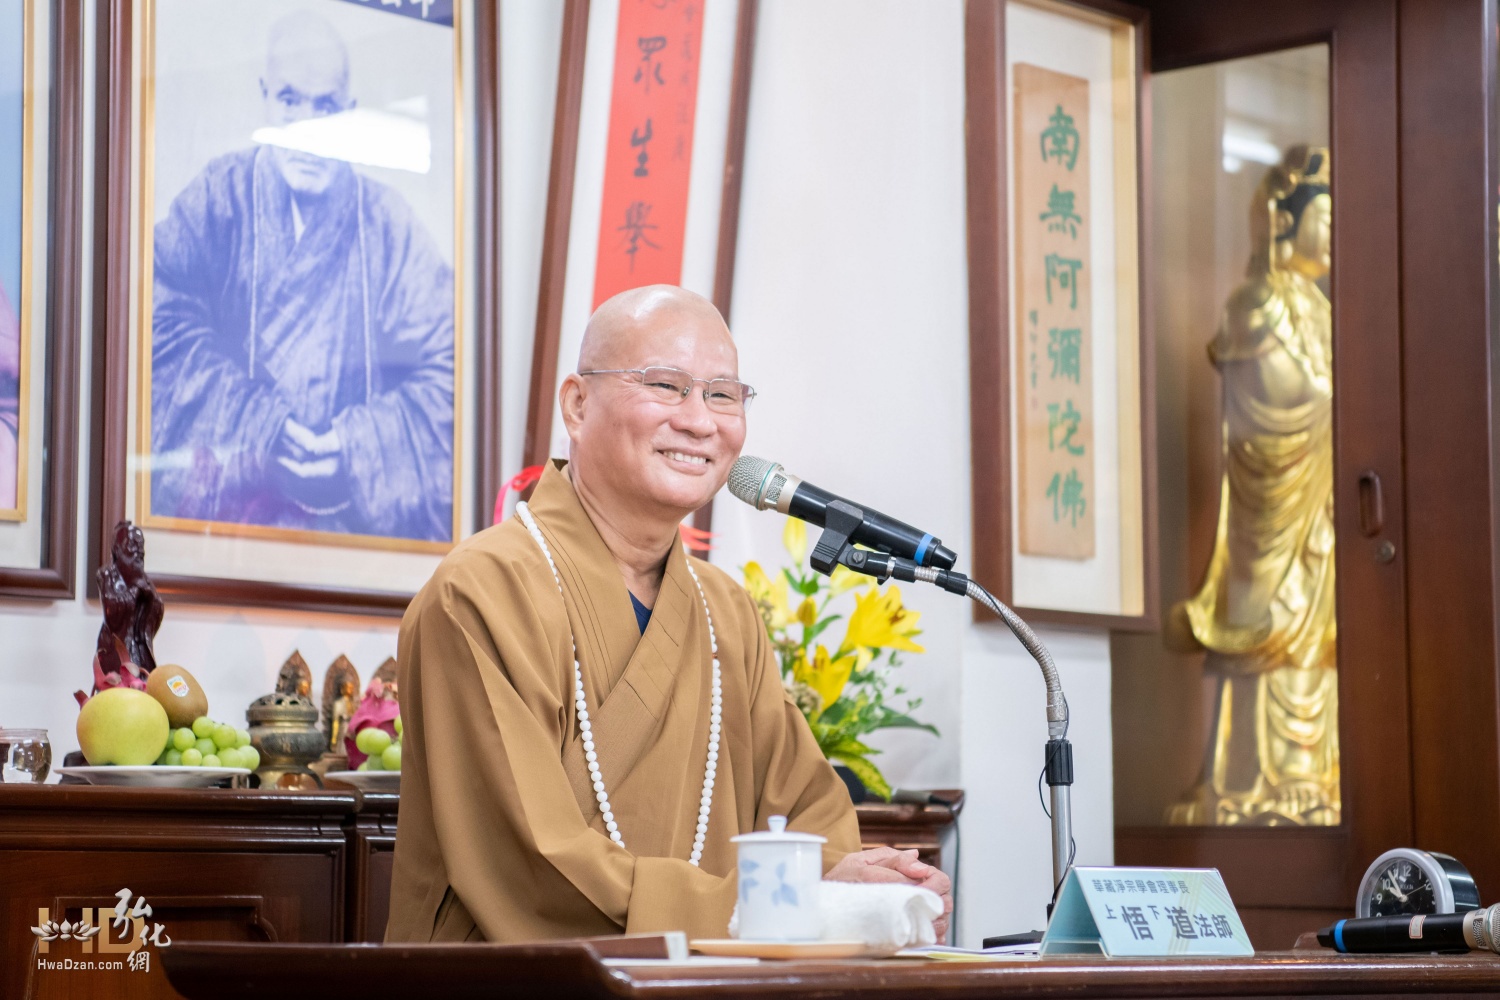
{"x":780,"y":872}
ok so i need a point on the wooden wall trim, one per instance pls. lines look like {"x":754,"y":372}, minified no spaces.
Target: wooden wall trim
{"x":989,"y":291}
{"x":488,"y":468}
{"x":113,"y":142}
{"x":1448,"y":256}
{"x":733,"y":182}
{"x":559,"y":219}
{"x":734,"y":155}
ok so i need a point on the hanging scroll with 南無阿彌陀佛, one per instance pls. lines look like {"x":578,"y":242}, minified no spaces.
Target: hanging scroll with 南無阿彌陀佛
{"x":1054,"y":378}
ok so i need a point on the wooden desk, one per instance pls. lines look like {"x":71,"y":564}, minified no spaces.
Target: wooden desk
{"x":572,"y":971}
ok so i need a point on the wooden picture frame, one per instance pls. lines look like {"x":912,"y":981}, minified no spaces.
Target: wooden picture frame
{"x":563,"y":193}
{"x":996,"y":352}
{"x":121,"y":230}
{"x":51,"y":575}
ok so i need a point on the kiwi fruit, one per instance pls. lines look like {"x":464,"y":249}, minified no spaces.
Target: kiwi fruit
{"x":179,"y":693}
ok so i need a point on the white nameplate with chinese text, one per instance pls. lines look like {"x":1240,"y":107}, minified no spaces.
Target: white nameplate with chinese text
{"x":1145,"y":912}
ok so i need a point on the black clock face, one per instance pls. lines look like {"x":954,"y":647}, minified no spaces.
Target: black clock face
{"x":1402,"y":887}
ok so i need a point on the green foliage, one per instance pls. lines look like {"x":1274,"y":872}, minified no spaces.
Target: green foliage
{"x":850,"y":693}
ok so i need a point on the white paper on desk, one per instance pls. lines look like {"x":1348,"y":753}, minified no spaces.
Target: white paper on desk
{"x":691,"y":960}
{"x":946,"y":953}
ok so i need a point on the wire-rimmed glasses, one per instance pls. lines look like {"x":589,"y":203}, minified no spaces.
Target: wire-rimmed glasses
{"x":672,"y":385}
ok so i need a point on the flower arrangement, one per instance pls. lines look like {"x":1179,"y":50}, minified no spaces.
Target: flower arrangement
{"x":842,"y":694}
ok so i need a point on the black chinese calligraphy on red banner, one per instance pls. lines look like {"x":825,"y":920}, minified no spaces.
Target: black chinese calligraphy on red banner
{"x":649,"y":149}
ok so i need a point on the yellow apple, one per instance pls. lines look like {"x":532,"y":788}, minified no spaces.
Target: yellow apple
{"x":122,"y":726}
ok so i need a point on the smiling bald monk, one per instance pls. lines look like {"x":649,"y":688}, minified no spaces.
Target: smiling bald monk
{"x":590,"y":713}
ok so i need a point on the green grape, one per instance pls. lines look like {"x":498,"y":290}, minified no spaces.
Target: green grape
{"x":224,"y":736}
{"x":173,"y":758}
{"x":229,"y":757}
{"x":191,"y":757}
{"x":212,"y":760}
{"x":390,"y":760}
{"x":363,"y":767}
{"x":372,"y":740}
{"x":203,"y":726}
{"x":241,"y":738}
{"x":205,"y":746}
{"x":373,"y":762}
{"x":249,"y":757}
{"x":163,"y":758}
{"x":398,"y":726}
{"x":183,"y":738}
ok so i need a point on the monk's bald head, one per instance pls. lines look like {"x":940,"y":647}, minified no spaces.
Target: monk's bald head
{"x":636,"y":452}
{"x":628,"y":328}
{"x":306,"y":78}
{"x":304,"y":51}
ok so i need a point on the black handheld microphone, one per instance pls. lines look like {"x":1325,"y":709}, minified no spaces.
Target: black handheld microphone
{"x":1476,"y":930}
{"x":765,"y":485}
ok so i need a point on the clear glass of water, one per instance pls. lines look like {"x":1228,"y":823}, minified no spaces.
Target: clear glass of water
{"x":25,"y":756}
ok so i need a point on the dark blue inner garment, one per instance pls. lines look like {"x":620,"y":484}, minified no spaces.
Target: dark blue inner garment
{"x":642,"y":613}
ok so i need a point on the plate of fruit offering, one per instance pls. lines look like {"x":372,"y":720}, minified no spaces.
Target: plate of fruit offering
{"x":154,"y":775}
{"x":161,"y":737}
{"x":381,"y":769}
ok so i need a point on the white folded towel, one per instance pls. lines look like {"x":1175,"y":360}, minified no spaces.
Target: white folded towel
{"x":885,"y":917}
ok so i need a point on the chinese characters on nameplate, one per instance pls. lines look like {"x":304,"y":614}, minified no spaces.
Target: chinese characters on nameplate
{"x":1122,"y":912}
{"x":1054,"y":376}
{"x":649,"y":154}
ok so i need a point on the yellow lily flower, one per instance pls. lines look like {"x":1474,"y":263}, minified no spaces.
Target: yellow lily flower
{"x":807,"y":613}
{"x":880,"y":621}
{"x":771,"y":596}
{"x":827,"y":676}
{"x":845,"y":579}
{"x":794,"y":538}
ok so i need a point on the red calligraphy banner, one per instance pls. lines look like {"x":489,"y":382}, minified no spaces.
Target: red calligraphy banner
{"x":649,"y":150}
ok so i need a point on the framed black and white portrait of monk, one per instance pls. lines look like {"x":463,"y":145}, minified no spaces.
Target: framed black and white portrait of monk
{"x":297,"y":344}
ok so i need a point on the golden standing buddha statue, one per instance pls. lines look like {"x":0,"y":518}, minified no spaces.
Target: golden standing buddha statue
{"x":1265,"y":612}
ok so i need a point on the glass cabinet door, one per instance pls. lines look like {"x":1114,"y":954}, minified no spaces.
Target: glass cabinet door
{"x":1229,"y":715}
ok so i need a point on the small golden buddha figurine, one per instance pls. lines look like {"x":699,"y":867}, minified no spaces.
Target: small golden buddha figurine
{"x":1265,"y":612}
{"x":340,"y":682}
{"x":344,"y":707}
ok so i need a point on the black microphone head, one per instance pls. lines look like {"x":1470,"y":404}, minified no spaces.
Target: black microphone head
{"x":757,"y":482}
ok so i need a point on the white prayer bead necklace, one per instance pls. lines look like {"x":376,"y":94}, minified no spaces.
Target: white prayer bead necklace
{"x":580,"y":705}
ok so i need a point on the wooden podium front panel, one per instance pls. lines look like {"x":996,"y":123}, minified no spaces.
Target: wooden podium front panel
{"x":213,"y":864}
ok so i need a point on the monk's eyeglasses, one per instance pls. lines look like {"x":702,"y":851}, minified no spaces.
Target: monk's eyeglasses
{"x":672,"y":386}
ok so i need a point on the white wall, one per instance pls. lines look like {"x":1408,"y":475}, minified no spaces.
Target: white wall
{"x":851,"y":311}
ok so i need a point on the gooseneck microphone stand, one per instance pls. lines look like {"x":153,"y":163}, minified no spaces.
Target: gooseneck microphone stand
{"x":834,"y":549}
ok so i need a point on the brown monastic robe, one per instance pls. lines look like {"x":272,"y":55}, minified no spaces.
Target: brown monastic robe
{"x":500,"y":837}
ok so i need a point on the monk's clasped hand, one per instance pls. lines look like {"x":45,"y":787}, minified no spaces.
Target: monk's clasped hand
{"x":886,"y":864}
